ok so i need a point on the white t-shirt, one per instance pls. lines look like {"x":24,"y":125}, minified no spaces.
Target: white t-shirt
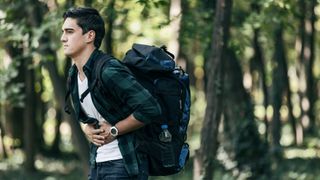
{"x":108,"y":151}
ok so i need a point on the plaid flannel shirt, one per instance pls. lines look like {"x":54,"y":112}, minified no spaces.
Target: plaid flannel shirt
{"x":125,"y":92}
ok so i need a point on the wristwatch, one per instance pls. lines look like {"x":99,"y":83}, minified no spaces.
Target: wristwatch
{"x":114,"y":131}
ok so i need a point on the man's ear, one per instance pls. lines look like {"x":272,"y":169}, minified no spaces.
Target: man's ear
{"x":91,"y":35}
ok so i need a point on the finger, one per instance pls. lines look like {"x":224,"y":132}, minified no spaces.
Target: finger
{"x":98,"y":141}
{"x":105,"y":134}
{"x":104,"y":128}
{"x":96,"y":131}
{"x":97,"y":144}
{"x":98,"y":137}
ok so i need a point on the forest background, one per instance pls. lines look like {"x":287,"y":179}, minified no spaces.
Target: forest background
{"x":254,"y":71}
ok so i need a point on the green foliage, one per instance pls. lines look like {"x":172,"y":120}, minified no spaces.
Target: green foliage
{"x":10,"y":93}
{"x":50,"y":27}
{"x":153,"y":3}
{"x":195,"y":36}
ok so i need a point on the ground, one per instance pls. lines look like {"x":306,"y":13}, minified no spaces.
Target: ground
{"x":304,"y":167}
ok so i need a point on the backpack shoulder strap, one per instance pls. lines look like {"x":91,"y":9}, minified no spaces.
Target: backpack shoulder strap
{"x":98,"y":66}
{"x":96,"y":73}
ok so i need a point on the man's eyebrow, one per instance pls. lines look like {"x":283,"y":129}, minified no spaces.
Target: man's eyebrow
{"x":67,"y":29}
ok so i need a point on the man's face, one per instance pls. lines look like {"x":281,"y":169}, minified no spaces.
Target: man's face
{"x":72,"y":39}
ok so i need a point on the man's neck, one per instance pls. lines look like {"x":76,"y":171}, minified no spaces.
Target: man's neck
{"x":81,"y":59}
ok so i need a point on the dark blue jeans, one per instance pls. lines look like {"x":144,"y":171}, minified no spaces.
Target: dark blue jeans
{"x":115,"y":170}
{"x":109,"y":170}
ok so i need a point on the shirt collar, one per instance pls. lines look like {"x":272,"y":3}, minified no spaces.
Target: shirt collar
{"x":90,"y":63}
{"x":87,"y":68}
{"x":73,"y":70}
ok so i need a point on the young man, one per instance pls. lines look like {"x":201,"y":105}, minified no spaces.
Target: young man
{"x":109,"y":129}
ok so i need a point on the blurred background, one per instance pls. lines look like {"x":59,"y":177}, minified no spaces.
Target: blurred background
{"x":254,"y":70}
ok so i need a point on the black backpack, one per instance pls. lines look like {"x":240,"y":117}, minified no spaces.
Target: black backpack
{"x":155,"y":69}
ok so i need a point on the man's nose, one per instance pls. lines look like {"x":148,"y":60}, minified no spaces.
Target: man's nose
{"x":63,"y":38}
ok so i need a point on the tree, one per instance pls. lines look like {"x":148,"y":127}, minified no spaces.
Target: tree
{"x":241,"y":139}
{"x":111,"y":17}
{"x":306,"y":57}
{"x":279,"y":76}
{"x":14,"y":116}
{"x":257,"y":63}
{"x":35,"y":12}
{"x":215,"y":85}
{"x":310,"y":59}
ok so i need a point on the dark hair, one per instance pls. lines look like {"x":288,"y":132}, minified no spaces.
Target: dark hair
{"x":88,"y":19}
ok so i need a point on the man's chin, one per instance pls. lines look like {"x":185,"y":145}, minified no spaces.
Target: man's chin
{"x":67,"y":54}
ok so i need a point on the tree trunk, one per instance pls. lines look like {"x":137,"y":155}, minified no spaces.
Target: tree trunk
{"x":88,"y":3}
{"x":77,"y":134}
{"x":301,"y":69}
{"x":183,"y":59}
{"x":111,"y":16}
{"x":23,"y":119}
{"x":15,"y":123}
{"x":3,"y":151}
{"x":241,"y":139}
{"x":69,"y":3}
{"x":214,"y":94}
{"x":29,"y":118}
{"x":291,"y":117}
{"x":55,"y":149}
{"x":40,"y":111}
{"x":279,"y":76}
{"x":258,"y":60}
{"x":310,"y":58}
{"x":35,"y":14}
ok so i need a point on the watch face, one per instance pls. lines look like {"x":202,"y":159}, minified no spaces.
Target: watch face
{"x":114,"y":131}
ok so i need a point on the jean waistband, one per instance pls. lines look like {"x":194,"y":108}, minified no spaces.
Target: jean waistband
{"x":107,"y":162}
